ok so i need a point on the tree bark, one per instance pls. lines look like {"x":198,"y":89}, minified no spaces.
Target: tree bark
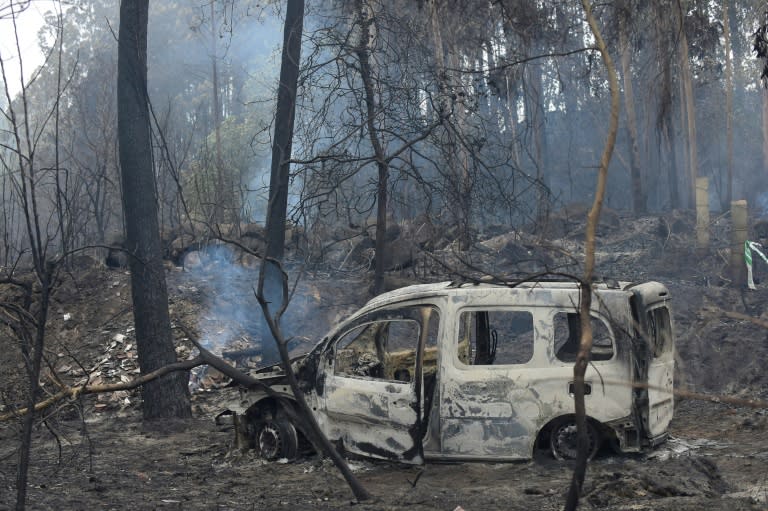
{"x":728,"y":105}
{"x":365,"y":20}
{"x":283,"y":138}
{"x":279,"y":179}
{"x":449,"y":106}
{"x":667,"y":149}
{"x":169,"y":396}
{"x":638,"y":190}
{"x":221,"y":186}
{"x":512,"y":77}
{"x":690,"y":112}
{"x":764,"y":96}
{"x":585,"y":346}
{"x":535,"y":112}
{"x":41,"y":317}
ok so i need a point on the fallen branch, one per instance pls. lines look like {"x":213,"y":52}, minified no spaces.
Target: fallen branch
{"x":745,"y":317}
{"x":204,"y":358}
{"x":315,"y":432}
{"x":218,"y":363}
{"x":697,"y":396}
{"x":74,"y":391}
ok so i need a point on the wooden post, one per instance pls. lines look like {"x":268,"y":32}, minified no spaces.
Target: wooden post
{"x":738,"y":237}
{"x":702,"y":214}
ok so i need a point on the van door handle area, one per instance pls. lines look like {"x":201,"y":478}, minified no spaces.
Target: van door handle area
{"x":587,"y":388}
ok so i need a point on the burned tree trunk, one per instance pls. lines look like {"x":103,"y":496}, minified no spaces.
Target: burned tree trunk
{"x":365,"y":20}
{"x":168,"y":396}
{"x":284,"y":120}
{"x":279,"y":179}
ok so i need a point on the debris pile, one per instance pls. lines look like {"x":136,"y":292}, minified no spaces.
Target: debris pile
{"x":117,"y":364}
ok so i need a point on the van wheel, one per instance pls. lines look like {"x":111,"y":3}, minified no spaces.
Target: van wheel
{"x":563,"y":437}
{"x":277,"y":438}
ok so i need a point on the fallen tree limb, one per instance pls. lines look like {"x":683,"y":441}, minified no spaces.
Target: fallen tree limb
{"x":745,"y":317}
{"x":75,"y":391}
{"x":315,"y":433}
{"x":220,"y":364}
{"x":204,"y":358}
{"x":697,"y":396}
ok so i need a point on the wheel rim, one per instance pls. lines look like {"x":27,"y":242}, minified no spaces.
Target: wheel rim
{"x":564,"y":441}
{"x":270,"y":441}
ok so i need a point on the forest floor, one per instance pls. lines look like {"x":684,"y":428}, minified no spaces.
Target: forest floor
{"x":96,"y":453}
{"x":717,"y":459}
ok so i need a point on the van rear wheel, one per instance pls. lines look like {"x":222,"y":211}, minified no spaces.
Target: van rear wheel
{"x":563,"y":438}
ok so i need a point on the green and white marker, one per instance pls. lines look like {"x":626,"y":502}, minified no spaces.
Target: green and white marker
{"x":749,"y":246}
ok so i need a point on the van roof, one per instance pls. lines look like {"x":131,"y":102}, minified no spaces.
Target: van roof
{"x":440,"y":288}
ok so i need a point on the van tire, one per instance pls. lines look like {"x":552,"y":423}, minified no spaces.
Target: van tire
{"x":276,"y":439}
{"x":562,"y":439}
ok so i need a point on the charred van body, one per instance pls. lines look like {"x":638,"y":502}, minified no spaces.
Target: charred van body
{"x":479,"y":372}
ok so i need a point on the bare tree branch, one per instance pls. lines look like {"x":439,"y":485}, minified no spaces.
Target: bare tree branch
{"x":282,"y":345}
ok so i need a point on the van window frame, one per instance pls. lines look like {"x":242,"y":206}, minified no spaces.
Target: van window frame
{"x":458,"y":362}
{"x":595,"y":317}
{"x":382,"y":318}
{"x":654,"y":331}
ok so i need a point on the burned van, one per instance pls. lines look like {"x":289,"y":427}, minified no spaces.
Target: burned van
{"x":457,"y":371}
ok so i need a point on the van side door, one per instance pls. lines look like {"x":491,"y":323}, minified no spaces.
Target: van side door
{"x":374,"y":385}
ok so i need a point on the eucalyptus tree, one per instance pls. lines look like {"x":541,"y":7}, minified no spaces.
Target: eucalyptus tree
{"x":624,"y":17}
{"x":746,"y":144}
{"x":707,"y":72}
{"x":727,"y":46}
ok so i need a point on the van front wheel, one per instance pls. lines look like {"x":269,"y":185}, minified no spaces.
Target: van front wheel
{"x":563,"y":436}
{"x":277,"y":438}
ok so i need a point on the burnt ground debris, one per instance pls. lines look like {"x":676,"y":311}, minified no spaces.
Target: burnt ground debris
{"x":96,"y":453}
{"x":712,"y":461}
